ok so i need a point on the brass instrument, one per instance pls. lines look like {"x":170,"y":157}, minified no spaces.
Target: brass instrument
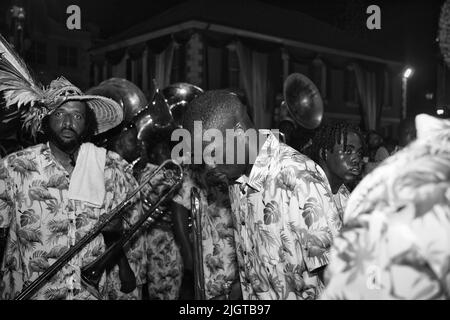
{"x":197,"y":248}
{"x":282,"y":137}
{"x":196,"y":225}
{"x":92,"y":272}
{"x":178,"y":95}
{"x":154,"y":122}
{"x":303,"y":101}
{"x":124,"y":92}
{"x":132,"y":100}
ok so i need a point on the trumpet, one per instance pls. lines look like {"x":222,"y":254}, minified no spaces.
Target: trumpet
{"x":196,"y":225}
{"x":91,"y":273}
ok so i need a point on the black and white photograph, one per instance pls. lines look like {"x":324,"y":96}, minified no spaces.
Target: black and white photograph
{"x":236,"y":151}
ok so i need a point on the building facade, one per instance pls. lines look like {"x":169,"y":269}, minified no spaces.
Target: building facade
{"x":252,"y":47}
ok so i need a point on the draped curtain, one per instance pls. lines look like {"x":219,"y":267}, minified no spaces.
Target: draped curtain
{"x":163,"y":66}
{"x":161,"y":49}
{"x":254,"y":70}
{"x":120,"y":69}
{"x":366,"y":82}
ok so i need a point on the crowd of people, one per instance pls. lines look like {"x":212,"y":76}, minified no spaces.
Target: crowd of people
{"x":345,"y":215}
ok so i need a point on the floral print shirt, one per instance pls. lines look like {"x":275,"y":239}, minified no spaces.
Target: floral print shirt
{"x":43,"y":223}
{"x":164,"y":269}
{"x":219,"y":254}
{"x":395,"y":243}
{"x":285,"y":218}
{"x":340,"y":201}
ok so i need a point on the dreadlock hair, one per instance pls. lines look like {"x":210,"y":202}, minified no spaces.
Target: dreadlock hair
{"x":327,"y":135}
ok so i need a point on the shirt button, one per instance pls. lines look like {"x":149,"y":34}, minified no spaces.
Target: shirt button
{"x":243,"y":223}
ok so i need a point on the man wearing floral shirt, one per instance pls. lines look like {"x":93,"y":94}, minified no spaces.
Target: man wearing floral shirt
{"x":395,"y":243}
{"x":53,"y":194}
{"x":337,"y":148}
{"x":164,"y":271}
{"x":279,"y":203}
{"x":218,"y":248}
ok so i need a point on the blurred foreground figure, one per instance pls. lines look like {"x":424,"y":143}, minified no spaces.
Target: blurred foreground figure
{"x":407,"y":133}
{"x":395,"y":243}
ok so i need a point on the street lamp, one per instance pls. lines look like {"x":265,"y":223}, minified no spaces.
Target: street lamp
{"x":407,"y":73}
{"x":18,"y":18}
{"x":442,"y":112}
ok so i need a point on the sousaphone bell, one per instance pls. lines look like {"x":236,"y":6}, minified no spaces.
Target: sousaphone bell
{"x":178,"y":95}
{"x":129,"y":96}
{"x":154,"y":122}
{"x":303,"y":101}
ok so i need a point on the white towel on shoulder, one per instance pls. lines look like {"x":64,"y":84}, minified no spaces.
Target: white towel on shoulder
{"x":88,"y":177}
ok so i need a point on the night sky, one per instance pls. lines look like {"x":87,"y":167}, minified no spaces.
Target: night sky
{"x":409,"y":27}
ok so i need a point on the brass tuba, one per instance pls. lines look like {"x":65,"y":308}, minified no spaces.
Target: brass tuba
{"x":124,"y":92}
{"x":178,"y":95}
{"x":155,"y":121}
{"x":132,"y":100}
{"x":303,"y":101}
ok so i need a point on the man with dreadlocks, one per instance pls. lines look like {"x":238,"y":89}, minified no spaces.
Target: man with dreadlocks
{"x":337,"y":147}
{"x":396,"y":242}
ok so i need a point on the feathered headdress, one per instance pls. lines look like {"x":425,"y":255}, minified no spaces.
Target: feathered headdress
{"x":21,"y":90}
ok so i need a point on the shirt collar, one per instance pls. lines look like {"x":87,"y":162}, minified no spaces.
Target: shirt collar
{"x":342,"y":189}
{"x":260,"y":170}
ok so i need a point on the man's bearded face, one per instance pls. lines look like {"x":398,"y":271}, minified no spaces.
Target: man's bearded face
{"x":67,"y":125}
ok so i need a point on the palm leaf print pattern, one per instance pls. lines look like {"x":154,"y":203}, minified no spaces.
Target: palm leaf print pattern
{"x":28,"y":238}
{"x":58,"y":229}
{"x":43,"y":221}
{"x":39,"y":192}
{"x":282,"y":224}
{"x":28,"y":217}
{"x":24,"y":167}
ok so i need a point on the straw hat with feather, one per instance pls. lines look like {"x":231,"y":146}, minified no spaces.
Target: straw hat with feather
{"x":20,"y":89}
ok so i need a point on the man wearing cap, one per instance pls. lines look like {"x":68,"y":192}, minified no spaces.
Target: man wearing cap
{"x":53,"y":193}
